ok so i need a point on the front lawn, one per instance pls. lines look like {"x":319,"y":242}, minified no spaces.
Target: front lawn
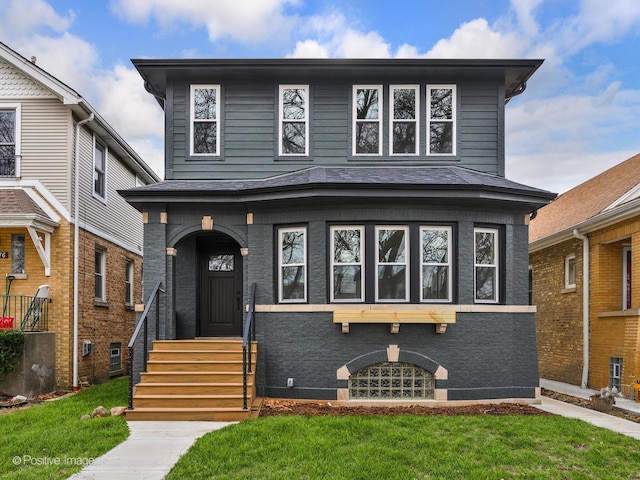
{"x":411,"y":447}
{"x":50,"y":441}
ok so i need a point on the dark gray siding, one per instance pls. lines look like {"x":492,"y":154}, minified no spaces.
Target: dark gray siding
{"x":249,"y":130}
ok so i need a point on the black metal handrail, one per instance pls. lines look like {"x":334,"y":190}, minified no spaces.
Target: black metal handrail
{"x":142,"y":325}
{"x":249,"y":330}
{"x":24,"y":312}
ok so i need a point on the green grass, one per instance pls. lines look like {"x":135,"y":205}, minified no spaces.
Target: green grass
{"x":411,"y":447}
{"x":33,"y":440}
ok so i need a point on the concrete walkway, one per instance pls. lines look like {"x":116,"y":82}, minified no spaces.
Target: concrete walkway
{"x":150,"y":451}
{"x":153,"y":448}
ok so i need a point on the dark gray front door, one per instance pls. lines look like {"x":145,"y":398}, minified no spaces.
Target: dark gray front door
{"x":221,"y":293}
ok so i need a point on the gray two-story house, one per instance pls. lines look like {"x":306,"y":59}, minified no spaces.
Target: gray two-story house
{"x":366,"y":201}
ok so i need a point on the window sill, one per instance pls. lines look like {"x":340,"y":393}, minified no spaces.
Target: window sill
{"x":568,"y":290}
{"x":100,"y":303}
{"x":632,"y":312}
{"x":18,"y":276}
{"x":130,"y":307}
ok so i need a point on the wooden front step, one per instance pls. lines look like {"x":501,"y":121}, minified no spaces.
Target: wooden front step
{"x":194,"y":380}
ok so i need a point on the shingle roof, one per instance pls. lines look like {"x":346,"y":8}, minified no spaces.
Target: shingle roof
{"x":17,"y":202}
{"x":586,"y":200}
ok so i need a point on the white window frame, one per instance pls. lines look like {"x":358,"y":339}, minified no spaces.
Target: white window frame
{"x":447,"y":264}
{"x":495,"y":265}
{"x":283,"y":120}
{"x":361,"y":264}
{"x":567,"y":271}
{"x":626,"y":283}
{"x":17,"y":108}
{"x":128,"y":282}
{"x":96,"y":171}
{"x":101,"y":274}
{"x":281,"y":265}
{"x":415,"y":120}
{"x":406,"y":263}
{"x":615,"y":371}
{"x":453,"y":119}
{"x":115,"y":355}
{"x":193,"y":120}
{"x":356,"y":120}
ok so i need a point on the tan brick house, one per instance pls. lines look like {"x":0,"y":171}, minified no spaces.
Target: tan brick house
{"x":67,"y":227}
{"x":588,"y":330}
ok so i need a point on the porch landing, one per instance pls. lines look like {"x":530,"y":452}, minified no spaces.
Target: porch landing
{"x":197,"y":379}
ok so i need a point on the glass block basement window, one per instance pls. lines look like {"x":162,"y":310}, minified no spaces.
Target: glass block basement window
{"x":391,"y":381}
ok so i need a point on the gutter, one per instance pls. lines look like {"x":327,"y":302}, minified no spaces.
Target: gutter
{"x":585,"y":306}
{"x":76,"y":248}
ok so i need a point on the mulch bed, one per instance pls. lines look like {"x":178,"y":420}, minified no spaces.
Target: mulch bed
{"x":272,"y":408}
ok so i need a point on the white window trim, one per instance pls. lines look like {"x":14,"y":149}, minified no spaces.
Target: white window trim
{"x":406,"y":263}
{"x":106,"y":163}
{"x":449,"y":231}
{"x":567,"y":261}
{"x":18,"y":134}
{"x":282,"y":120}
{"x":625,"y":249}
{"x":103,"y":274}
{"x":495,"y":265}
{"x":360,"y":228}
{"x":193,"y":120}
{"x":453,"y":119}
{"x":392,"y":120}
{"x":355,"y":120}
{"x":129,"y":275}
{"x":281,"y":298}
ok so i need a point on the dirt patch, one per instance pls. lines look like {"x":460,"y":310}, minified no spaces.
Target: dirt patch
{"x":7,"y":406}
{"x":272,"y":408}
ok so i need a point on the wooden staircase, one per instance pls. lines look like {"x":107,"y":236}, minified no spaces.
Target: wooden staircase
{"x":197,"y":379}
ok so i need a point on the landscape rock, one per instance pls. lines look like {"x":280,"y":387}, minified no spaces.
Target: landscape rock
{"x":18,"y":399}
{"x":99,"y":412}
{"x":85,"y":417}
{"x":118,"y":411}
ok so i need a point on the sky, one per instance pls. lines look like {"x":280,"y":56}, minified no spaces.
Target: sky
{"x":579,"y":115}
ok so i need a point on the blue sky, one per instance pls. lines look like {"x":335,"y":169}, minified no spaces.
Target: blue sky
{"x":579,"y":115}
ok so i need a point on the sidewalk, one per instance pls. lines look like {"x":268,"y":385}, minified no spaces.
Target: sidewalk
{"x":149,"y":453}
{"x":599,"y":419}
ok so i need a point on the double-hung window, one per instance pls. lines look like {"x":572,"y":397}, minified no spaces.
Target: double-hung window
{"x":18,"y":260}
{"x":367,"y":120}
{"x":99,"y":170}
{"x":292,"y":271}
{"x":570,"y":271}
{"x":347,"y":264}
{"x":100,"y":275}
{"x":626,"y":277}
{"x":392,"y":263}
{"x":205,"y":115}
{"x":404,"y":114}
{"x":486,"y":265}
{"x":441,"y":119}
{"x":10,"y":141}
{"x":294,"y":120}
{"x":128,"y":282}
{"x":435,"y":249}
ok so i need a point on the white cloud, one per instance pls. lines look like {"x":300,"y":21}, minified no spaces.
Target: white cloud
{"x":243,"y":21}
{"x":30,"y":16}
{"x":309,"y":49}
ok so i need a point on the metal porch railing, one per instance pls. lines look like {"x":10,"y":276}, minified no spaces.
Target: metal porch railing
{"x":24,"y":312}
{"x":248,"y":337}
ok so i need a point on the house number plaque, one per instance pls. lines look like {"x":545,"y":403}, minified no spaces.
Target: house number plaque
{"x":4,"y":254}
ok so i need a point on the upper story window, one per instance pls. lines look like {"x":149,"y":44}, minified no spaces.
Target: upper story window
{"x":294,"y":120}
{"x":570,"y":271}
{"x":367,"y":118}
{"x":347,"y":264}
{"x":9,"y":141}
{"x":392,"y":264}
{"x":99,"y":170}
{"x":292,"y":271}
{"x":205,"y":115}
{"x":441,"y":119}
{"x":486,"y":265}
{"x":435,"y":248}
{"x":403,"y":122}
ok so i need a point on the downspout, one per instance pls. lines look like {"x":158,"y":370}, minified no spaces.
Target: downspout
{"x":76,"y":248}
{"x":585,"y":306}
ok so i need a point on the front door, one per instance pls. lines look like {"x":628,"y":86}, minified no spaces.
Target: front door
{"x":221,"y":293}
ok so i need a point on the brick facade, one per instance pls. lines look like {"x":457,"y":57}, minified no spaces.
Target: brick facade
{"x":102,"y":324}
{"x":559,"y":312}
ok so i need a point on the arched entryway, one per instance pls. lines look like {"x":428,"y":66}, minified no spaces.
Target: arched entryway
{"x":218,"y":286}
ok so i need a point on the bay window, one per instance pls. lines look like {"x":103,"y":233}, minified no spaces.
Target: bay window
{"x":392,"y":264}
{"x":486,"y":265}
{"x":347,"y":263}
{"x":292,"y":271}
{"x":435,"y":248}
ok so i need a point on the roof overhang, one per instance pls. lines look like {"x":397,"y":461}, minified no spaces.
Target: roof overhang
{"x":158,"y":72}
